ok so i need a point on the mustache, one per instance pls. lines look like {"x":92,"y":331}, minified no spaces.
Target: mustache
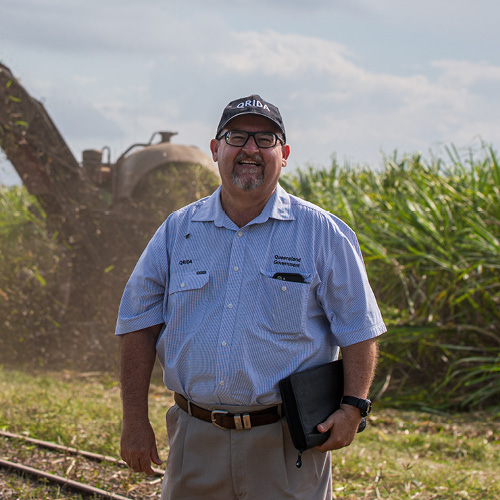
{"x":244,"y":156}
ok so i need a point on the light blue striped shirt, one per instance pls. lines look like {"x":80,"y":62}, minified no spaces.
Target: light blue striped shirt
{"x":232,"y":331}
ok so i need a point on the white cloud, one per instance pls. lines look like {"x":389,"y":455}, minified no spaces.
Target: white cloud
{"x":83,"y":81}
{"x":466,"y":73}
{"x":294,"y":61}
{"x":283,"y":55}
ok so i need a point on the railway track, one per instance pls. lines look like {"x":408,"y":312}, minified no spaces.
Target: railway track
{"x":71,"y":468}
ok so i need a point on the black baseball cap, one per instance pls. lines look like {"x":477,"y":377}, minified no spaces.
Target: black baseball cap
{"x":251,"y":105}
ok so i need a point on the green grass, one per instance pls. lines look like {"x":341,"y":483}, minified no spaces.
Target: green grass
{"x":81,"y":410}
{"x":402,"y":455}
{"x":417,"y":455}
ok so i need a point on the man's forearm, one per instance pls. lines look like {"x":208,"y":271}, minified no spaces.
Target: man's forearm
{"x":360,"y":361}
{"x":137,"y":358}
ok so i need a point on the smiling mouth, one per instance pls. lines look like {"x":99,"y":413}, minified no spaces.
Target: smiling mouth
{"x":249,"y":168}
{"x":249,"y":163}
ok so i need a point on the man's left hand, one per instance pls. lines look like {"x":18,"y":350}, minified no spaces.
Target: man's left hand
{"x":343,"y":425}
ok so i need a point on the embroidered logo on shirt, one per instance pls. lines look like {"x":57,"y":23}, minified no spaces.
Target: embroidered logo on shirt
{"x":183,"y":262}
{"x":281,"y":260}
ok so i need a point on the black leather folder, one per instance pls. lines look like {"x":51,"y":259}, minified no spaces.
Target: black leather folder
{"x":309,"y":397}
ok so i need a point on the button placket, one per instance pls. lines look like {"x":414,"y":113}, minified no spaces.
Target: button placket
{"x":234,"y":280}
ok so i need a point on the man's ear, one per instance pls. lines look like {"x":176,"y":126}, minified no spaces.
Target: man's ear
{"x":285,"y":151}
{"x":214,"y":148}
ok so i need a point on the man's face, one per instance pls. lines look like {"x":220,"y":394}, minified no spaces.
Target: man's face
{"x":250,"y":168}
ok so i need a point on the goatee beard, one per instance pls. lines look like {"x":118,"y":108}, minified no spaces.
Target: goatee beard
{"x":249,"y":183}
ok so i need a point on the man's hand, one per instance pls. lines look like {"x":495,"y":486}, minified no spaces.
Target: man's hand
{"x":343,"y":426}
{"x":138,"y":447}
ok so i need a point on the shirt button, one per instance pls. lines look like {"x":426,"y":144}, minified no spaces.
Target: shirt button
{"x":240,"y":233}
{"x":224,"y":343}
{"x":183,"y":285}
{"x":221,"y":382}
{"x":230,"y":306}
{"x":235,"y":268}
{"x":283,"y":288}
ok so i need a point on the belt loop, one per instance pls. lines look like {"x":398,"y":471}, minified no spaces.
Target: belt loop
{"x":247,"y":424}
{"x":189,"y":407}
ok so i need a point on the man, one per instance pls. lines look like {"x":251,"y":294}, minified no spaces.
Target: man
{"x":235,"y":292}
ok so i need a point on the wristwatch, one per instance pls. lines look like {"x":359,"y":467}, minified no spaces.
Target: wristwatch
{"x":364,"y":405}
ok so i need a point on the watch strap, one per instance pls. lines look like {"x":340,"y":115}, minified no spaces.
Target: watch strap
{"x":364,"y":405}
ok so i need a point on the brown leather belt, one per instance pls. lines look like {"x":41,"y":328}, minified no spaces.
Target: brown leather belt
{"x":226,"y":420}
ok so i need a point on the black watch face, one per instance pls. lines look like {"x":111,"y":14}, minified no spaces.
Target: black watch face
{"x":366,"y":408}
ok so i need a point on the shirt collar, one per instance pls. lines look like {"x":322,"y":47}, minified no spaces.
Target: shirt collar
{"x":277,"y":207}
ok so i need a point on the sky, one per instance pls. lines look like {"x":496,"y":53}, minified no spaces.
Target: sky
{"x":354,"y":79}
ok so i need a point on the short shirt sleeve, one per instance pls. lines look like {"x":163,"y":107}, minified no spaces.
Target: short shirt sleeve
{"x":346,"y":294}
{"x":142,"y":302}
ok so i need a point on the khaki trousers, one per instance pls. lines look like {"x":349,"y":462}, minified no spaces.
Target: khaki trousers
{"x":209,"y":463}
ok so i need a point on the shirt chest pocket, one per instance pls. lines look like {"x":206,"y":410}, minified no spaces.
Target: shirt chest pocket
{"x":283,"y":305}
{"x":187,"y":301}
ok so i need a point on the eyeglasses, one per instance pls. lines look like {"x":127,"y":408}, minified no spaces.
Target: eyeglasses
{"x":239,"y":138}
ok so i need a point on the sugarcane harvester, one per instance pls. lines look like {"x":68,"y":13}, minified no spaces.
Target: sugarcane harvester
{"x":103,"y":212}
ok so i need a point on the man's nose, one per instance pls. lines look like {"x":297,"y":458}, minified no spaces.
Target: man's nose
{"x":251,"y":145}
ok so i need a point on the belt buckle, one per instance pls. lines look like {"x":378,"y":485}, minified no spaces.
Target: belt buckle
{"x":239,"y":424}
{"x":213,"y":416}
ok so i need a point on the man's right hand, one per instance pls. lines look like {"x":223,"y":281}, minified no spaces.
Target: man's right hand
{"x":138,"y":447}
